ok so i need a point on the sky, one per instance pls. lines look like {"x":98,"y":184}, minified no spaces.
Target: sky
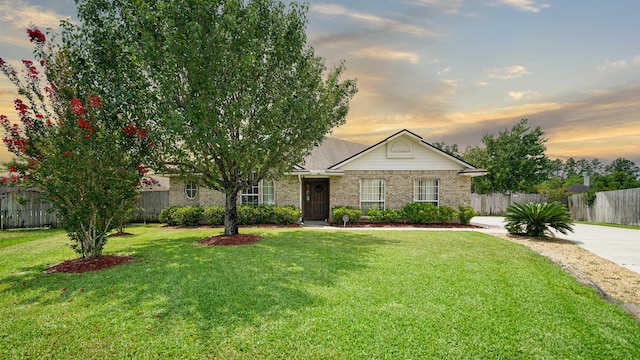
{"x":454,"y":70}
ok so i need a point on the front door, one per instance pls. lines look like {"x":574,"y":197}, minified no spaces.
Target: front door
{"x":316,"y":199}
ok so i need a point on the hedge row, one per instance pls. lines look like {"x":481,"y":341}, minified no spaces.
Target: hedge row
{"x":415,"y":213}
{"x":214,"y":215}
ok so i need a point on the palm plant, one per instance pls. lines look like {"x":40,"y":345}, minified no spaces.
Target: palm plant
{"x":537,"y":219}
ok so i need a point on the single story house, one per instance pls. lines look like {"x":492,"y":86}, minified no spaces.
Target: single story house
{"x":400,"y":169}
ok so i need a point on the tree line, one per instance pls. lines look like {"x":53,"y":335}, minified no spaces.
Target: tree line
{"x":516,"y":161}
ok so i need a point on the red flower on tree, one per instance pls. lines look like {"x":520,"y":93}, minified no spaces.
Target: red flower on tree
{"x":36,"y":36}
{"x":130,"y":129}
{"x":77,"y":107}
{"x":96,"y":102}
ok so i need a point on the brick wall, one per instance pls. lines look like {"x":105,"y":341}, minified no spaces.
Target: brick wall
{"x":455,"y":190}
{"x":286,"y":193}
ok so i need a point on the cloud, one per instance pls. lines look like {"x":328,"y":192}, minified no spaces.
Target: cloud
{"x":519,"y":95}
{"x":482,"y":84}
{"x":448,"y":6}
{"x":387,"y":54}
{"x":618,"y":64}
{"x":449,"y":87}
{"x":21,"y":14}
{"x":337,"y":10}
{"x":523,"y":5}
{"x":445,"y":71}
{"x":511,"y":72}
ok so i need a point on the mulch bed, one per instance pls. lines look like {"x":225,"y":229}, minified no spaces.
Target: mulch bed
{"x":85,"y":265}
{"x":240,"y":239}
{"x":120,"y":234}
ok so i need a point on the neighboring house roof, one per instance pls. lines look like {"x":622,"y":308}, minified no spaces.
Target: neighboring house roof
{"x":401,"y":146}
{"x":578,"y":188}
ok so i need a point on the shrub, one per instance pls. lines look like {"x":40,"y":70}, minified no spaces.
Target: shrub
{"x":446,"y":214}
{"x":374,"y":214}
{"x":465,"y":213}
{"x":419,"y":212}
{"x":166,"y":215}
{"x":246,"y":215}
{"x":386,"y":215}
{"x":391,"y":215}
{"x":589,"y":197}
{"x":267,"y":214}
{"x":339,"y":211}
{"x":537,"y":219}
{"x":188,"y":215}
{"x":286,"y":215}
{"x":214,"y":215}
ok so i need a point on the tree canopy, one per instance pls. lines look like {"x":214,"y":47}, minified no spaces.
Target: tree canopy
{"x":74,"y":145}
{"x":515,"y":160}
{"x":239,"y":96}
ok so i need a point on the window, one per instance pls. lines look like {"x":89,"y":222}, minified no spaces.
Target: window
{"x":426,"y":190}
{"x":191,"y":190}
{"x":268,"y":192}
{"x":372,"y":194}
{"x":250,"y":196}
{"x":263,"y":193}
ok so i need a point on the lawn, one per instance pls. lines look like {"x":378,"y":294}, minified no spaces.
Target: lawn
{"x":303,"y":294}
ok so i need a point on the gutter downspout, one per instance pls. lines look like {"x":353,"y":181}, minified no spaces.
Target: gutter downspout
{"x":300,"y":197}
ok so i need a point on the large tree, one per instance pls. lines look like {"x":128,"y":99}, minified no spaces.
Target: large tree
{"x":515,"y":160}
{"x":239,"y":94}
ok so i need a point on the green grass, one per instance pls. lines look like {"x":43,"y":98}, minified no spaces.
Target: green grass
{"x":15,"y":237}
{"x":302,"y":294}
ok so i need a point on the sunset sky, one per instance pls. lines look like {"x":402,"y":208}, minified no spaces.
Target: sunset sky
{"x":454,"y":70}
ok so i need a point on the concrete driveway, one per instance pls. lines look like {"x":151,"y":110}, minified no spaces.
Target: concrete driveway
{"x":621,"y":246}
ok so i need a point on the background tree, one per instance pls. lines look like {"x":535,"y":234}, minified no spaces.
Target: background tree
{"x":620,"y":174}
{"x":240,"y":95}
{"x":70,"y":145}
{"x":623,"y":165}
{"x":515,"y":160}
{"x":449,"y":149}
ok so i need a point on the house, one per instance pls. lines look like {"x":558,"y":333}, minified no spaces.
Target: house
{"x":400,"y":169}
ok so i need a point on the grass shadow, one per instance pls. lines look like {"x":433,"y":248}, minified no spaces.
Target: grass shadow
{"x":216,"y":289}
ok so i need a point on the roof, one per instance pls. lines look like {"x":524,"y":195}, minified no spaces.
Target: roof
{"x":469,"y":169}
{"x":331,"y":151}
{"x":578,"y":188}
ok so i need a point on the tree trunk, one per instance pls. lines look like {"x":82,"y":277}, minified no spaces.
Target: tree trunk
{"x":231,"y":213}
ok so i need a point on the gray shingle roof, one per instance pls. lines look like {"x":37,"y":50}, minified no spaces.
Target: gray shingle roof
{"x":331,"y":152}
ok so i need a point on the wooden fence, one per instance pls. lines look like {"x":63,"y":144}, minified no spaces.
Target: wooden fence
{"x":497,"y":203}
{"x":613,"y":207}
{"x":150,"y":205}
{"x":22,"y":209}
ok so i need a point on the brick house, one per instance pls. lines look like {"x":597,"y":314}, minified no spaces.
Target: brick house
{"x":401,"y":169}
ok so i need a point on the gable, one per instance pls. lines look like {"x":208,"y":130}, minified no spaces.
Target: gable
{"x":403,"y":151}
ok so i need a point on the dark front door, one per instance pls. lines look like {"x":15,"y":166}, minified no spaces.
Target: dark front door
{"x":316,"y":199}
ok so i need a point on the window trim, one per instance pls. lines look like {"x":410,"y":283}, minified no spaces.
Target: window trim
{"x":191,"y":187}
{"x":247,"y":195}
{"x":416,"y":191}
{"x":260,"y":193}
{"x":382,"y":203}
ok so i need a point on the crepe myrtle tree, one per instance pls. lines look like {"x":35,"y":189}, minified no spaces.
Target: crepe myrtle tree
{"x":240,"y":95}
{"x":87,"y":161}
